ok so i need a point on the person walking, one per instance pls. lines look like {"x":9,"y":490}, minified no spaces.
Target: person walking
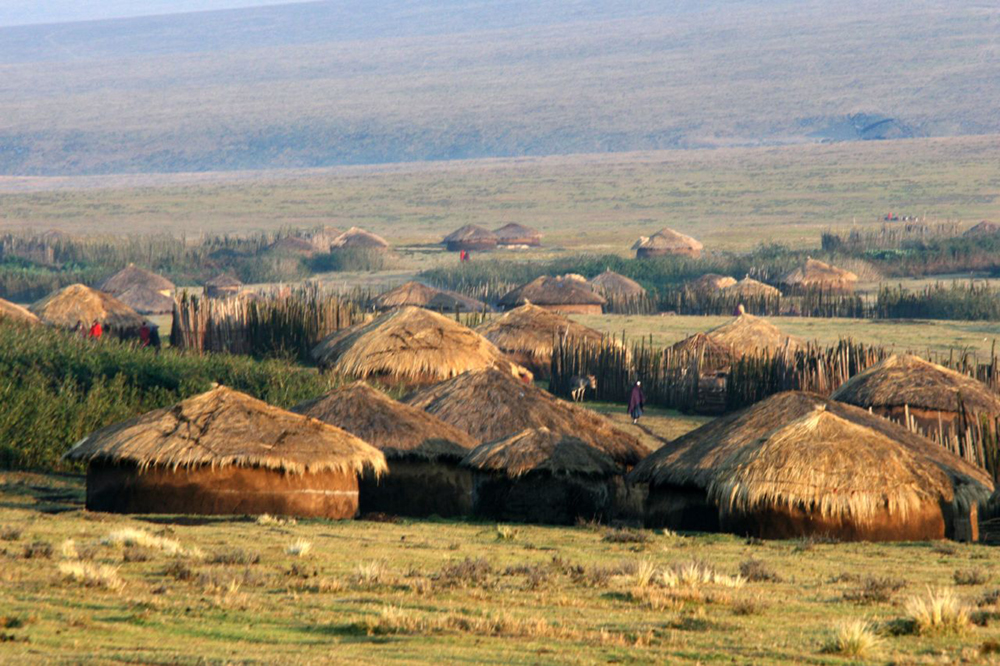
{"x":636,"y":401}
{"x":96,"y":330}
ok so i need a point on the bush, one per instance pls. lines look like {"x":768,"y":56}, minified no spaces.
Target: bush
{"x":757,"y":571}
{"x":875,"y":590}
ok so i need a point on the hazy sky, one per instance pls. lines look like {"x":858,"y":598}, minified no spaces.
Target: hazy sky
{"x":18,"y":12}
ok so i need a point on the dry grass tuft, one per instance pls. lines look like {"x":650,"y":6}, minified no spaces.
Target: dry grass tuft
{"x":645,"y":573}
{"x":299,"y":548}
{"x":92,"y":575}
{"x":236,"y":556}
{"x":8,"y":533}
{"x":370,"y":574}
{"x":853,"y":638}
{"x":267,"y":519}
{"x":37,"y":550}
{"x":507,"y":533}
{"x":130,"y":537}
{"x":68,"y":551}
{"x":939,"y":611}
{"x":875,"y":590}
{"x":758,"y":571}
{"x":974,"y":576}
{"x":465,"y":573}
{"x":625,"y":535}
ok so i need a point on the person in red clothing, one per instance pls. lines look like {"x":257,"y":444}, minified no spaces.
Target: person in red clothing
{"x":636,"y":401}
{"x":96,"y":330}
{"x":144,"y":334}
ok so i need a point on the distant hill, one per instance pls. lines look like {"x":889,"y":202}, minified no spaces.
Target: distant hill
{"x":330,"y":83}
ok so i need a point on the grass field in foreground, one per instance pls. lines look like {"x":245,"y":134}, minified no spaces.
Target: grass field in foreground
{"x":434,"y":592}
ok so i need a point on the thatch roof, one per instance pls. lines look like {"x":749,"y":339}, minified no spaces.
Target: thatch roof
{"x":132,"y":277}
{"x":420,"y":295}
{"x":750,"y":288}
{"x":15,"y":313}
{"x":815,"y":273}
{"x":492,"y":405}
{"x":747,"y":333}
{"x":516,"y":232}
{"x":224,"y":427}
{"x":984,"y":228}
{"x":224,"y":281}
{"x":146,"y":301}
{"x":410,"y":345}
{"x":610,"y":282}
{"x":547,"y":290}
{"x":469,"y":232}
{"x":322,"y":238}
{"x":715,"y":354}
{"x":797,"y":450}
{"x":80,"y":303}
{"x":397,"y":429}
{"x":905,"y":379}
{"x":710,"y":283}
{"x":450,"y":301}
{"x":540,"y":450}
{"x":533,"y":330}
{"x":669,"y":240}
{"x":293,"y":245}
{"x":356,"y":237}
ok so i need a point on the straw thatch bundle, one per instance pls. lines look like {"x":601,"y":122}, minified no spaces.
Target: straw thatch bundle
{"x":292,"y":245}
{"x":79,"y":303}
{"x":566,"y":295}
{"x":540,"y":450}
{"x":749,"y":288}
{"x":984,"y":228}
{"x":12,"y":312}
{"x":668,"y":242}
{"x":815,"y":274}
{"x":711,"y":283}
{"x":358,"y":238}
{"x":146,"y":301}
{"x":223,"y":285}
{"x":798,"y":464}
{"x":470,"y":237}
{"x":747,"y":333}
{"x":420,"y":295}
{"x":492,"y":405}
{"x":528,"y":335}
{"x":412,"y":346}
{"x":518,"y":234}
{"x":133,"y":277}
{"x":610,"y":282}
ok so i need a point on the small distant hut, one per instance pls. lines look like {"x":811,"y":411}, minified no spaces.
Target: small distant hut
{"x":147,"y":302}
{"x":565,"y":295}
{"x":357,"y":238}
{"x":710,"y":283}
{"x":528,"y":334}
{"x":293,"y":246}
{"x":611,"y":284}
{"x":747,"y":333}
{"x":223,"y":285}
{"x":492,"y":405}
{"x":14,"y":313}
{"x":422,"y":452}
{"x":921,"y":395}
{"x":470,"y":238}
{"x":541,"y":476}
{"x":984,"y":228}
{"x":420,"y":295}
{"x":223,"y":452}
{"x":815,"y":274}
{"x":667,"y":242}
{"x":411,"y":346}
{"x":516,"y":235}
{"x":79,"y":304}
{"x":748,"y":288}
{"x":322,"y":238}
{"x":132,"y":277}
{"x":798,"y":465}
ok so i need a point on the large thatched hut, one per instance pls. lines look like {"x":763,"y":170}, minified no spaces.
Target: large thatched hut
{"x":422,"y":296}
{"x":223,"y":452}
{"x":359,"y":239}
{"x":411,"y":346}
{"x":713,"y":355}
{"x":748,"y":288}
{"x":746,"y":334}
{"x":133,"y":277}
{"x":471,"y":238}
{"x":515,"y":235}
{"x":816,"y":274}
{"x":710,"y":283}
{"x":798,"y":464}
{"x":78,"y":304}
{"x":223,"y":285}
{"x":614,"y":284}
{"x":422,"y":452}
{"x":566,"y":295}
{"x":920,"y":394}
{"x":12,"y":312}
{"x":667,"y":242}
{"x":541,"y":476}
{"x":492,"y":405}
{"x":529,"y":333}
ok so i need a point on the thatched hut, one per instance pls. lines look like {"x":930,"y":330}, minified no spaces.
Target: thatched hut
{"x":920,"y":394}
{"x":749,"y":334}
{"x":223,"y":285}
{"x":293,"y":246}
{"x":322,"y":238}
{"x":815,"y":274}
{"x":984,"y":228}
{"x":359,"y":239}
{"x":12,"y":312}
{"x":223,"y":452}
{"x":710,"y":283}
{"x":529,"y":333}
{"x":514,"y":235}
{"x":714,"y":355}
{"x":565,"y":295}
{"x":422,"y":452}
{"x":492,"y":405}
{"x":667,"y":242}
{"x":132,"y":277}
{"x":613,"y":284}
{"x":410,"y":346}
{"x":78,"y":303}
{"x":541,"y":476}
{"x":421,"y":296}
{"x":470,"y":238}
{"x":748,"y":288}
{"x":798,"y":464}
{"x":147,"y":302}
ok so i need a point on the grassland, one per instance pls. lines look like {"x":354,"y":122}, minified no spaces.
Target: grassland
{"x":434,"y":592}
